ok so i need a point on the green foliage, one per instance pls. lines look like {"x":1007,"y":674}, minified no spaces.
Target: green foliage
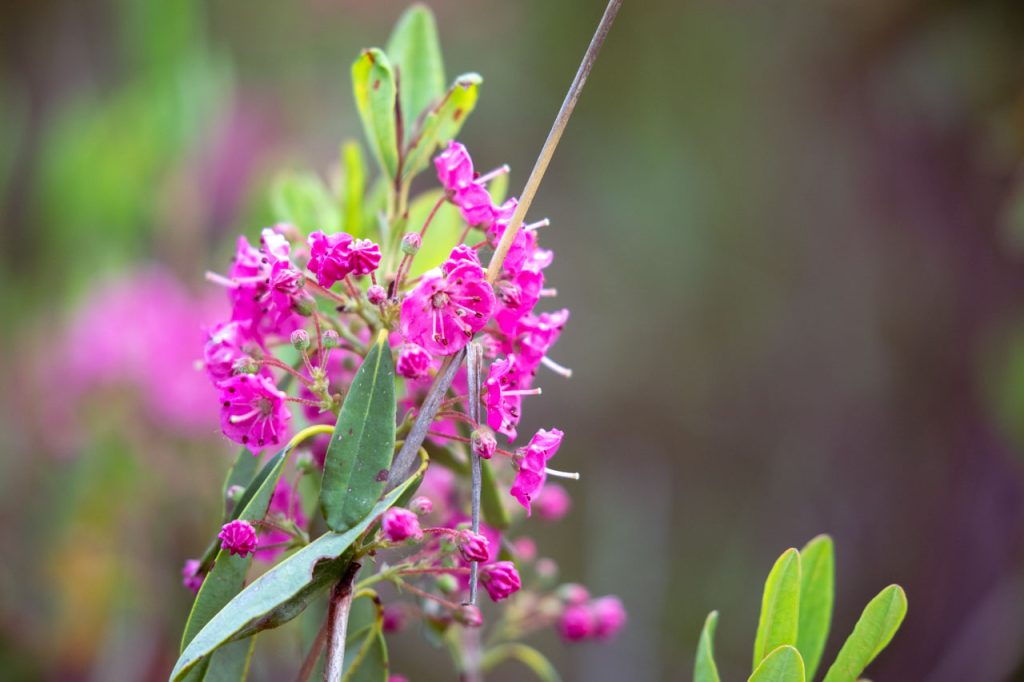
{"x":303,"y":200}
{"x":493,"y":508}
{"x":373,"y":83}
{"x":284,"y":591}
{"x":353,"y":188}
{"x":704,"y":668}
{"x":367,"y":656}
{"x":363,"y":443}
{"x":445,"y":229}
{"x":537,"y":662}
{"x":415,"y":53}
{"x":780,"y":607}
{"x":796,"y":613}
{"x":442,"y":123}
{"x":781,"y":665}
{"x":872,"y":633}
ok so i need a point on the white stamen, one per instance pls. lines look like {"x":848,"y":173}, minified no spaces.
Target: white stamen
{"x":221,"y":280}
{"x":501,"y":170}
{"x":523,"y":391}
{"x":534,"y":226}
{"x":239,"y":418}
{"x":574,"y":475}
{"x":555,"y":367}
{"x":548,"y":293}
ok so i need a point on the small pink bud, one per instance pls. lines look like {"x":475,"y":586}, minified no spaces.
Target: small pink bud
{"x":469,"y":615}
{"x":330,"y":339}
{"x":421,"y":505}
{"x":609,"y":616}
{"x":411,"y":243}
{"x":413,"y":362}
{"x":238,"y":537}
{"x":376,"y":294}
{"x":547,"y":568}
{"x":500,"y":579}
{"x":393,"y":619}
{"x":576,"y":623}
{"x":245,"y":365}
{"x":553,"y":502}
{"x":473,"y":546}
{"x":483,"y":441}
{"x":190,"y":575}
{"x":400,"y":525}
{"x":303,"y":303}
{"x":300,"y":340}
{"x":525,"y":548}
{"x":397,"y":678}
{"x":574,"y":594}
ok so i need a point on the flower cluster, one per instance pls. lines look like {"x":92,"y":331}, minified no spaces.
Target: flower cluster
{"x":303,"y":312}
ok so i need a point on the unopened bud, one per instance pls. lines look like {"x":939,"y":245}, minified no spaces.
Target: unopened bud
{"x":547,"y":569}
{"x":469,"y":615}
{"x":245,"y":365}
{"x":411,"y":243}
{"x":303,"y":303}
{"x":234,"y":493}
{"x":421,"y":505}
{"x":473,"y":546}
{"x":573,"y":593}
{"x":330,"y":339}
{"x":447,"y":584}
{"x":484,"y":442}
{"x":305,"y":463}
{"x":300,"y":340}
{"x":376,"y":294}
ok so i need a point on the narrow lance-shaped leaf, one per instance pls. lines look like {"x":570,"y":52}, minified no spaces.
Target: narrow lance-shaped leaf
{"x":414,"y":49}
{"x":537,"y":662}
{"x":704,"y":668}
{"x":240,"y":474}
{"x":353,"y":188}
{"x":494,"y":510}
{"x":442,"y":123}
{"x":303,"y":199}
{"x":228,"y":573}
{"x":284,"y":591}
{"x":874,"y":630}
{"x":363,"y":443}
{"x":781,"y":665}
{"x":373,"y":83}
{"x":780,"y":607}
{"x":817,"y":590}
{"x":366,"y":656}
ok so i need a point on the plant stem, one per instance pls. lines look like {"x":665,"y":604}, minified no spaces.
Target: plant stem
{"x":337,"y":624}
{"x":557,"y":128}
{"x":314,"y":654}
{"x":474,"y":364}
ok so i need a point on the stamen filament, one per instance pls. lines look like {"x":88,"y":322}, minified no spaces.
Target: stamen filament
{"x":555,"y":367}
{"x":574,"y":475}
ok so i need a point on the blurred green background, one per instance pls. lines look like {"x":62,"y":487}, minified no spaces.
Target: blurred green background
{"x":790,"y":233}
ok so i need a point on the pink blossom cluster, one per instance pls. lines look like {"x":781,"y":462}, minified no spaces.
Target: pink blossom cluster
{"x":303,"y":309}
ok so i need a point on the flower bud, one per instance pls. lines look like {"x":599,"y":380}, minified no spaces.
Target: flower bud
{"x":234,"y":493}
{"x":576,"y":623}
{"x":500,"y":579}
{"x":411,"y":243}
{"x":245,"y":365}
{"x":330,"y":339}
{"x":421,"y":505}
{"x":190,"y":575}
{"x":376,"y":294}
{"x":547,"y":569}
{"x":553,"y":502}
{"x":473,"y":546}
{"x":305,"y":463}
{"x":303,"y":303}
{"x":413,"y":362}
{"x":393,"y":619}
{"x":300,"y":340}
{"x":525,"y":549}
{"x":484,"y":442}
{"x":573,"y":593}
{"x":238,"y":537}
{"x":447,"y":584}
{"x":400,"y":525}
{"x":469,"y":615}
{"x":609,"y":616}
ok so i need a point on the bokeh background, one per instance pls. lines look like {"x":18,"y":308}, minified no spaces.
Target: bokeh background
{"x":791,"y":234}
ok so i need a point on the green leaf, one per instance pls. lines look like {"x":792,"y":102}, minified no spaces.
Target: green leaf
{"x":303,"y":200}
{"x":363,"y":443}
{"x":240,"y":474}
{"x":781,"y":665}
{"x":442,"y":235}
{"x":442,"y":123}
{"x":230,"y":663}
{"x":494,"y":511}
{"x":228,"y":573}
{"x":780,"y":607}
{"x":373,"y":83}
{"x":415,"y":52}
{"x":366,"y":656}
{"x":353,"y":188}
{"x":817,"y":590}
{"x":538,"y":664}
{"x":704,"y":668}
{"x":284,"y":591}
{"x":877,"y":625}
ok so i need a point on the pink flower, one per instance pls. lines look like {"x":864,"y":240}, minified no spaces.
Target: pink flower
{"x":253,"y":411}
{"x":397,"y":678}
{"x":454,"y":167}
{"x":537,"y":334}
{"x":473,"y":547}
{"x":516,"y":296}
{"x":400,"y":525}
{"x":393,"y":619}
{"x":609,"y":616}
{"x":576,"y":623}
{"x":330,"y":256}
{"x":474,"y":202}
{"x":286,"y":506}
{"x":447,"y":307}
{"x":531,"y":475}
{"x":265,"y":286}
{"x":227,"y":343}
{"x":190,"y":575}
{"x":504,"y":388}
{"x":365,"y":257}
{"x":553,"y":502}
{"x":238,"y":537}
{"x":500,"y":579}
{"x":413,"y":362}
